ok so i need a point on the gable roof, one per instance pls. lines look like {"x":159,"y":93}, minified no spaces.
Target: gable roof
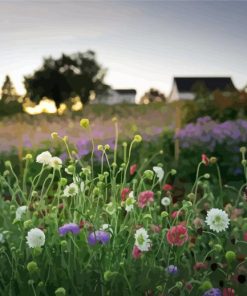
{"x":186,"y":84}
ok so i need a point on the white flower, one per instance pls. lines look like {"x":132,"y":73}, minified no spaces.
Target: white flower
{"x":165,"y":201}
{"x":71,"y":190}
{"x":159,"y":172}
{"x":35,"y":238}
{"x":44,"y":157}
{"x":107,"y":227}
{"x":142,"y":240}
{"x":217,"y":220}
{"x":19,"y":212}
{"x":56,"y":162}
{"x":2,"y":240}
{"x":129,"y":203}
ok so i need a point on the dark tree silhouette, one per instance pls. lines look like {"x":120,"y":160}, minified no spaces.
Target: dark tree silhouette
{"x":151,"y":96}
{"x":8,"y":92}
{"x":69,"y":76}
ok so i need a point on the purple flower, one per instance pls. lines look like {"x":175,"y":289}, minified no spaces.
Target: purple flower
{"x":172,"y":269}
{"x":99,"y":236}
{"x":213,"y":292}
{"x":70,"y":227}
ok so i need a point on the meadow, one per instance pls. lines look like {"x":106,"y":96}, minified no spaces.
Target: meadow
{"x":87,"y":208}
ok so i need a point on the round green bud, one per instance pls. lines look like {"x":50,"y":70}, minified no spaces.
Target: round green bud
{"x":244,"y":162}
{"x":30,"y":282}
{"x":41,"y":284}
{"x":148,"y":174}
{"x":164,"y":214}
{"x":206,"y":176}
{"x":173,"y":172}
{"x":60,"y":292}
{"x":179,"y":285}
{"x":147,"y":216}
{"x":84,"y":122}
{"x":191,"y":196}
{"x":138,"y":138}
{"x":124,"y":144}
{"x":7,"y":163}
{"x":206,"y":285}
{"x":37,"y":251}
{"x":106,"y":174}
{"x":35,"y":194}
{"x":242,"y":149}
{"x":218,"y":248}
{"x":32,"y":267}
{"x":28,"y":224}
{"x":230,"y":256}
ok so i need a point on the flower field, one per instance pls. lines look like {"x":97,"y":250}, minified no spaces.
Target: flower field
{"x":111,"y":224}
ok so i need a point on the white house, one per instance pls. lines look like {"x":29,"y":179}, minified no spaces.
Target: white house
{"x":183,"y":88}
{"x":117,"y":96}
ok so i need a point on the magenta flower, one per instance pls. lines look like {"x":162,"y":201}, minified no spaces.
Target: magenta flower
{"x":70,"y":227}
{"x":145,"y":198}
{"x":98,"y":236}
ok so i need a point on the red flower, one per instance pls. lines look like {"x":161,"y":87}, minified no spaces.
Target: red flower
{"x":177,"y":235}
{"x":144,"y":198}
{"x":124,"y":193}
{"x":133,"y":169}
{"x":245,"y":236}
{"x":136,"y":253}
{"x":200,"y":266}
{"x":228,"y":292}
{"x":176,"y":214}
{"x":167,"y":187}
{"x":205,"y":159}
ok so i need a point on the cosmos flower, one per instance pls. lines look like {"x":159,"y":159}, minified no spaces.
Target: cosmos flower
{"x":70,"y":227}
{"x":145,"y":198}
{"x":166,"y":201}
{"x":99,"y":236}
{"x":142,"y":240}
{"x":172,"y":269}
{"x":136,"y":253}
{"x":44,"y":158}
{"x":217,"y":220}
{"x":177,"y":235}
{"x":20,"y":212}
{"x":159,"y":172}
{"x":71,"y":190}
{"x":56,"y":162}
{"x":213,"y":292}
{"x":35,"y":238}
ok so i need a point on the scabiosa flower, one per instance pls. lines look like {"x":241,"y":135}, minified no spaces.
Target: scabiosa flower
{"x":217,"y":220}
{"x":205,"y":159}
{"x":167,"y":187}
{"x":133,"y":169}
{"x":99,"y":236}
{"x":166,"y":201}
{"x":142,"y":240}
{"x":44,"y":158}
{"x":177,"y":235}
{"x":71,"y":190}
{"x":35,"y":238}
{"x":70,"y":227}
{"x":136,"y":252}
{"x":124,"y":193}
{"x":145,"y":198}
{"x":213,"y":292}
{"x":172,"y":269}
{"x":20,"y":212}
{"x":56,"y":162}
{"x":159,"y":172}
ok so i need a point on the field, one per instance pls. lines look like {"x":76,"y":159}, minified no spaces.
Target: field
{"x":90,"y":205}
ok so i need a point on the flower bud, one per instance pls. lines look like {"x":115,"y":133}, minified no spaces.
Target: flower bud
{"x":107,"y":147}
{"x":28,"y":156}
{"x":148,"y":174}
{"x":230,"y":256}
{"x":37,"y":251}
{"x":137,"y":138}
{"x":218,"y":248}
{"x":206,"y":176}
{"x":173,"y":172}
{"x":100,"y":148}
{"x":84,"y":123}
{"x":28,"y":224}
{"x":242,"y":149}
{"x":206,"y":285}
{"x":213,"y":160}
{"x":32,"y":267}
{"x":60,"y":292}
{"x":164,"y":214}
{"x":54,"y":135}
{"x":179,"y":285}
{"x":63,"y":181}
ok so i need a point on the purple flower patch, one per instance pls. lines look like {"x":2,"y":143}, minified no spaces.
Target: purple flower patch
{"x":70,"y":227}
{"x":98,"y":236}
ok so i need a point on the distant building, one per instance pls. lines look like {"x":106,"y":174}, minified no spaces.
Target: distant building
{"x":184,"y":88}
{"x":117,"y":96}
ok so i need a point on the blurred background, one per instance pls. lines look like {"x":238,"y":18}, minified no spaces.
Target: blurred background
{"x":173,"y":71}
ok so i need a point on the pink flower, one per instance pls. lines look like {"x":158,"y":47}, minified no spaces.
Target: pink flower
{"x":205,"y":159}
{"x":228,"y":292}
{"x":245,"y":236}
{"x":167,"y":187}
{"x":124,"y":193}
{"x":133,"y":169}
{"x":144,"y":198}
{"x":136,"y":253}
{"x":176,"y":214}
{"x":200,"y":266}
{"x":177,"y":235}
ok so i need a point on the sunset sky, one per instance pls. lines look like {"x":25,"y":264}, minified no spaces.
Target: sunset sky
{"x":143,"y":44}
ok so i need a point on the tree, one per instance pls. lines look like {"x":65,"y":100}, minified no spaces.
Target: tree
{"x":71,"y":75}
{"x":151,"y":96}
{"x":8,"y":93}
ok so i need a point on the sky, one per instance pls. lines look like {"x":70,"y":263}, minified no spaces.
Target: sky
{"x":143,"y":44}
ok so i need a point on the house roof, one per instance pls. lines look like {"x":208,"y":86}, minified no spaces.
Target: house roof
{"x":126,"y":91}
{"x":186,"y":84}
